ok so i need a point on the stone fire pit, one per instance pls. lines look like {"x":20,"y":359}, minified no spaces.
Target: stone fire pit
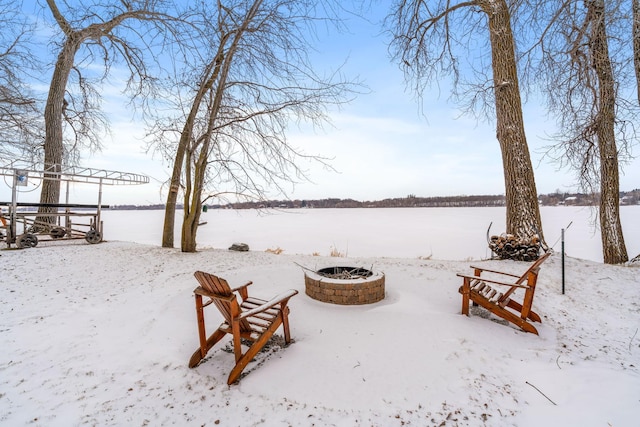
{"x":345,"y":285}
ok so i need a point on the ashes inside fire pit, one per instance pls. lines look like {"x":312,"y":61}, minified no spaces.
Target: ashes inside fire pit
{"x":345,"y":285}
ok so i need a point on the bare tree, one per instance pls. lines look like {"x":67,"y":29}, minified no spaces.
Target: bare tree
{"x":98,"y":31}
{"x":613,"y":245}
{"x":435,"y":37}
{"x":20,"y":128}
{"x":596,"y":122}
{"x":253,"y":84}
{"x":636,"y":42}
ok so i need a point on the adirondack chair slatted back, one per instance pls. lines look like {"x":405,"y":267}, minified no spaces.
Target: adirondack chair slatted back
{"x":530,"y":277}
{"x":219,"y":286}
{"x":535,"y":267}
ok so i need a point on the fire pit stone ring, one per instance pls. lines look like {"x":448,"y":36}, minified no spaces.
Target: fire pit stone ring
{"x":345,"y":285}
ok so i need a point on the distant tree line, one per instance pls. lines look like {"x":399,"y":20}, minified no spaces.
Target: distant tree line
{"x":581,"y":199}
{"x":400,"y":202}
{"x":552,"y":199}
{"x":157,"y":206}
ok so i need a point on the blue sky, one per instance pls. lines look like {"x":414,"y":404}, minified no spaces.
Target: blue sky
{"x":384,"y":144}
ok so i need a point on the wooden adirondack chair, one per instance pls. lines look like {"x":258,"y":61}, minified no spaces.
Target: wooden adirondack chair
{"x":253,"y":319}
{"x":496,"y":294}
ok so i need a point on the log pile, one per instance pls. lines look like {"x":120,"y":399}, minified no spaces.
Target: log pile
{"x":508,"y":246}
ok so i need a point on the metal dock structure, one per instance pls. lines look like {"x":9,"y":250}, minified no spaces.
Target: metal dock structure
{"x":25,"y":224}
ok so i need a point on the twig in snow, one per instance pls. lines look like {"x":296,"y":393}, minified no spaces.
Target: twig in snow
{"x":634,"y":335}
{"x":558,"y":358}
{"x":303,"y":267}
{"x":541,"y":393}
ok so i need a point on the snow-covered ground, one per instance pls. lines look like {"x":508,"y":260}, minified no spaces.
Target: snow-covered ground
{"x":101,"y":335}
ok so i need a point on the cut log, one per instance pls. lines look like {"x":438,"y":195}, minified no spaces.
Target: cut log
{"x":508,"y":246}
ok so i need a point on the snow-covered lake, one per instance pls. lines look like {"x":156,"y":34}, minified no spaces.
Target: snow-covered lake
{"x":439,"y":233}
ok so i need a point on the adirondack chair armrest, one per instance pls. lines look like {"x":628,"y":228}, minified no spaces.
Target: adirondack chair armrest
{"x":497,"y":282}
{"x":242,"y":290}
{"x":494,"y":271}
{"x":238,"y":288}
{"x":201,"y":291}
{"x":278,"y":299}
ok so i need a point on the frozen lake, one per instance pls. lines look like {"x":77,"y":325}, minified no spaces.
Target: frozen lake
{"x":439,"y":233}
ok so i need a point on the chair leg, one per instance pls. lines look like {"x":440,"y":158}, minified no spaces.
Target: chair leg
{"x":202,"y":333}
{"x":199,"y":354}
{"x":285,"y":324}
{"x":516,"y":320}
{"x":518,"y":307}
{"x":465,"y":290}
{"x":252,"y":351}
{"x":505,"y":314}
{"x":528,"y":327}
{"x":237,"y":342}
{"x":205,"y":344}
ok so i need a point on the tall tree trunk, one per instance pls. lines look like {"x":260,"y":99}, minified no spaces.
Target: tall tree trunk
{"x":174,"y":187}
{"x":54,"y":109}
{"x":636,"y":43}
{"x":193,"y":199}
{"x":523,"y":212}
{"x":613,"y":246}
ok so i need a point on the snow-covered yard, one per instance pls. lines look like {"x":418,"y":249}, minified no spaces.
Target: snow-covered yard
{"x":101,"y":335}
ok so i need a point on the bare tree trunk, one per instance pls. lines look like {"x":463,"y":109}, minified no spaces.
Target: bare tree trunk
{"x":636,"y":43}
{"x":613,"y":246}
{"x":523,"y":212}
{"x":53,"y":112}
{"x":174,"y":187}
{"x":170,"y":206}
{"x":54,"y":109}
{"x":193,"y":199}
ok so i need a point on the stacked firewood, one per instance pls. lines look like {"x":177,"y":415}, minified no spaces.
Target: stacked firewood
{"x":508,"y":246}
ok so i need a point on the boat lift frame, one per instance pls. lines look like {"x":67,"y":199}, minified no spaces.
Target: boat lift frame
{"x":64,"y":228}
